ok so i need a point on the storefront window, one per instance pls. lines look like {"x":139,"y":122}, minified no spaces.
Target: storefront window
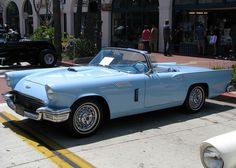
{"x":230,"y":0}
{"x":129,"y":18}
{"x":184,"y":2}
{"x":209,"y":1}
{"x":216,"y":17}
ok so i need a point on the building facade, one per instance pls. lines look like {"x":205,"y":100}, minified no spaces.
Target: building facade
{"x":123,"y":20}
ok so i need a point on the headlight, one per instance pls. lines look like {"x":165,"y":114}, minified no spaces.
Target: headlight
{"x":211,"y":158}
{"x":50,"y":92}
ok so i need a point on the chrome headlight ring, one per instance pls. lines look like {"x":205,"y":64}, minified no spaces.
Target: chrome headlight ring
{"x":211,"y":158}
{"x":50,"y":93}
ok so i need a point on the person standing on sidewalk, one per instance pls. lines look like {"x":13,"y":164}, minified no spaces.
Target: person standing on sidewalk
{"x":146,"y":37}
{"x":233,"y":36}
{"x":167,"y":38}
{"x":201,"y":37}
{"x":153,"y":39}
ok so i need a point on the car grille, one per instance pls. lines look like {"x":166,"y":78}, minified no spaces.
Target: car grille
{"x":29,"y":103}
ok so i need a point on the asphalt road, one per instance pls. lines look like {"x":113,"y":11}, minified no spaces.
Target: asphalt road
{"x":160,"y":139}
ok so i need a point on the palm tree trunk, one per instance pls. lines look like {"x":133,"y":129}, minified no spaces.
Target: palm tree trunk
{"x":78,"y":18}
{"x":57,"y":27}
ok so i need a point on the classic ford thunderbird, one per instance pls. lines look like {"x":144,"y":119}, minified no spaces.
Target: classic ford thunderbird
{"x":117,"y":82}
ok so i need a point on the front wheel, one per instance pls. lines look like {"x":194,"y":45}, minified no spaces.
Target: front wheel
{"x":195,"y":99}
{"x":86,"y":118}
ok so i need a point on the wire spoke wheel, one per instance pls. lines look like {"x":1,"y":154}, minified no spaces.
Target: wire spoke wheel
{"x":195,"y":99}
{"x":86,"y":118}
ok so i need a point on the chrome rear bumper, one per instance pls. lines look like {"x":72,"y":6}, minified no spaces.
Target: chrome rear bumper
{"x":230,"y":88}
{"x":42,"y":113}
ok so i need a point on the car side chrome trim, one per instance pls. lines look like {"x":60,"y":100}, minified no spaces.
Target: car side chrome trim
{"x":42,"y":113}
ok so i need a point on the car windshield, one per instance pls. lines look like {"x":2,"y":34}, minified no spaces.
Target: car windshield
{"x":122,"y":60}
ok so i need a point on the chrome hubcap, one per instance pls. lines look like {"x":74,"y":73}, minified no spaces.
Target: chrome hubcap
{"x":86,"y":117}
{"x":196,"y":98}
{"x":49,"y":59}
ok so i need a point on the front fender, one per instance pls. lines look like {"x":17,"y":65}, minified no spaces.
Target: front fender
{"x":13,"y":78}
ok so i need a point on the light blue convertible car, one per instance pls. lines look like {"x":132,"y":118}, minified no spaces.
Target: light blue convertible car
{"x":117,"y":82}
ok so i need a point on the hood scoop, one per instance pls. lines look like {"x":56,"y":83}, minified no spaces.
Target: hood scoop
{"x":72,"y":69}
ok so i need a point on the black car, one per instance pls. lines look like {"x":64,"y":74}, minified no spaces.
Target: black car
{"x":34,"y":52}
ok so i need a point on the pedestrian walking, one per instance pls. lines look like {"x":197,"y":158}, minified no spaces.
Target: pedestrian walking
{"x":233,"y":36}
{"x":153,"y":39}
{"x":167,"y":38}
{"x":146,"y":37}
{"x":212,"y":42}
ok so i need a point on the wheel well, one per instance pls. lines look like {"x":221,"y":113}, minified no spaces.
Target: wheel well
{"x":101,"y":100}
{"x":204,"y":86}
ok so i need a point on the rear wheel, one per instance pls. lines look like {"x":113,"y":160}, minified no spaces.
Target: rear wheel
{"x":48,"y":58}
{"x":195,"y":99}
{"x":86,"y":118}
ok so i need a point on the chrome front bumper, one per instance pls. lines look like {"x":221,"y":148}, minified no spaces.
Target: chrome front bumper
{"x":42,"y":113}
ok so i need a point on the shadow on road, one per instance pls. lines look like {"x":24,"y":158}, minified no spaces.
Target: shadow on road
{"x":117,"y":127}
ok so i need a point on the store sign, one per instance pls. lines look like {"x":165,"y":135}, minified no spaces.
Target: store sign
{"x":107,"y":7}
{"x":197,"y":13}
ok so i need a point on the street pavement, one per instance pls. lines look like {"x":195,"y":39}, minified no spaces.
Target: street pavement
{"x":160,"y":139}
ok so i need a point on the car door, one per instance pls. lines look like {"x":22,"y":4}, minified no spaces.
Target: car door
{"x":3,"y":49}
{"x":126,"y":95}
{"x":165,"y":90}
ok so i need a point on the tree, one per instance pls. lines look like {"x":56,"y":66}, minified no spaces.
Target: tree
{"x":90,"y":23}
{"x":57,"y":27}
{"x":99,"y":26}
{"x":48,"y":19}
{"x":93,"y":23}
{"x":78,"y":18}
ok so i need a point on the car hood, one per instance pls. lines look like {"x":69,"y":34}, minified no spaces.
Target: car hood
{"x":72,"y":74}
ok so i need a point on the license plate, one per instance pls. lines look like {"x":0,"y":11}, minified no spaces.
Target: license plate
{"x":20,"y":110}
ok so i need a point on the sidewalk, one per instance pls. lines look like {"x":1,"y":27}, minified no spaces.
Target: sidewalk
{"x":192,"y":61}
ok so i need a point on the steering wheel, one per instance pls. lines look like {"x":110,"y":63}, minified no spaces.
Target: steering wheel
{"x":139,"y":66}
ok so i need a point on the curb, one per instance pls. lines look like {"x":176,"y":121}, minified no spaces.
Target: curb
{"x":230,"y":94}
{"x":67,"y":63}
{"x":227,"y":97}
